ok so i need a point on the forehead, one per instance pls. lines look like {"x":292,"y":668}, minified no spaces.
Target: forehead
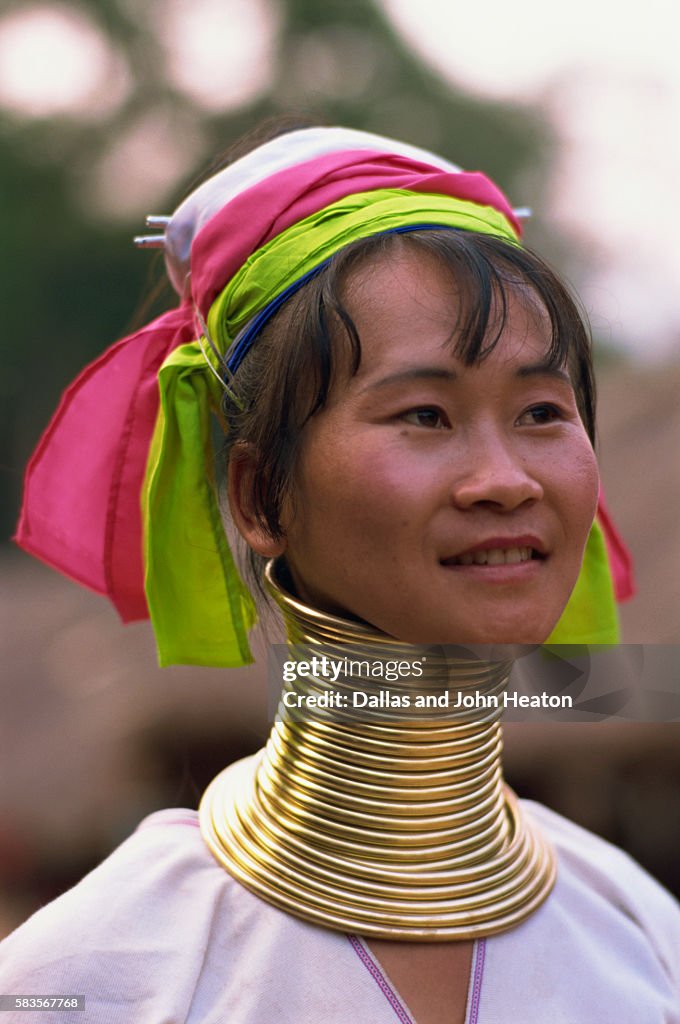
{"x":411,"y":305}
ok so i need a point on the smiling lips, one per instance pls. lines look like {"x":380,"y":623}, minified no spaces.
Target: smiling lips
{"x":500,"y":551}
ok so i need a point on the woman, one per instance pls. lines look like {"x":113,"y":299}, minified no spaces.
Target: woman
{"x":408,"y":404}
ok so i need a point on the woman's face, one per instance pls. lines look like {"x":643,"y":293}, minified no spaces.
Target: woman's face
{"x":440,"y":502}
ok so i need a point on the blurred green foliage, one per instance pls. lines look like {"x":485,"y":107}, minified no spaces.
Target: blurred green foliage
{"x":70,"y":283}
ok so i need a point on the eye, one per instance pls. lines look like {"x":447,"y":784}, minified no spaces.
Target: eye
{"x":426,"y":416}
{"x":538,"y":415}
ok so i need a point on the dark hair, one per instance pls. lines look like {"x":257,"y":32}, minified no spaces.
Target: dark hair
{"x":286,"y":377}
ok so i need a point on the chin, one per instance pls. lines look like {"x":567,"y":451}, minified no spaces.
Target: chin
{"x":515,"y":631}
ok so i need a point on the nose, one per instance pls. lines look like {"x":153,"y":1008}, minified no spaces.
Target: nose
{"x":495,"y":476}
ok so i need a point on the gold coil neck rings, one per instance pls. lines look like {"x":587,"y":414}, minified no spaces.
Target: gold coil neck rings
{"x":386,"y":822}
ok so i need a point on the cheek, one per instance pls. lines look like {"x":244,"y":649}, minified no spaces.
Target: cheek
{"x":363,"y":488}
{"x":578,"y":484}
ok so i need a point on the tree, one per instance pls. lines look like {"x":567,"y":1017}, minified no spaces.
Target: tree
{"x":70,"y":280}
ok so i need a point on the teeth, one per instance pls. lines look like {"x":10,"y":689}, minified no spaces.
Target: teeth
{"x":494,"y":556}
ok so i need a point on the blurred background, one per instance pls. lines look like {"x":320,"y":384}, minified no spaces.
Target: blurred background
{"x":108,"y":109}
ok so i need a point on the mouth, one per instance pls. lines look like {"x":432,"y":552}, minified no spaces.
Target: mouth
{"x":496,"y":556}
{"x":500,"y":551}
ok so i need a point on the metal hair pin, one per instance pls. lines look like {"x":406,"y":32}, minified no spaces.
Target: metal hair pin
{"x":157,"y":220}
{"x":153,"y":220}
{"x":149,"y":241}
{"x":226,"y":381}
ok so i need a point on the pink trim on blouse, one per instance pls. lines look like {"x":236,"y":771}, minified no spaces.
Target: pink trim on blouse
{"x":474,"y":986}
{"x":476,"y":990}
{"x":376,"y":973}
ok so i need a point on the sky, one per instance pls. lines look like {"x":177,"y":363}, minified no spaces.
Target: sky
{"x":605,"y":74}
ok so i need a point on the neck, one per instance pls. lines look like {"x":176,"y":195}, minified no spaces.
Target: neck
{"x":383,"y":813}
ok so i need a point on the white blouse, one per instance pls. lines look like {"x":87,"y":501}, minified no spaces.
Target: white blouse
{"x":159,"y":933}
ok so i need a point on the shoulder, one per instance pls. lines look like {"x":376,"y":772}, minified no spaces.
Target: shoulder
{"x":162,"y":864}
{"x":127,"y":926}
{"x":594,"y":872}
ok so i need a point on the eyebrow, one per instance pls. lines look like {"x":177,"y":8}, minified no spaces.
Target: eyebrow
{"x":413,"y":373}
{"x":541,"y":369}
{"x":544,"y":369}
